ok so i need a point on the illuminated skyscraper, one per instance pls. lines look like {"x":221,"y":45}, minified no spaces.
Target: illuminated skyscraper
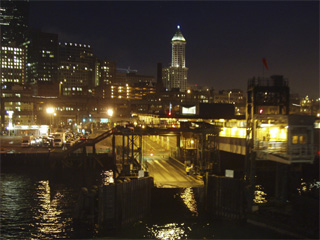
{"x":12,"y":66}
{"x":176,"y":75}
{"x":42,"y":57}
{"x":13,"y":22}
{"x":76,"y":70}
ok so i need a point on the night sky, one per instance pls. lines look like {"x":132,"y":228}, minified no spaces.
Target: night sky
{"x":226,"y":41}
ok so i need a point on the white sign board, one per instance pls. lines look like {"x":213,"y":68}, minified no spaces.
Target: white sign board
{"x":140,"y":173}
{"x":229,"y":173}
{"x":190,"y":110}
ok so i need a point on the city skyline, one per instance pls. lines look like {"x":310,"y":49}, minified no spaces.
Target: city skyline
{"x":226,"y":40}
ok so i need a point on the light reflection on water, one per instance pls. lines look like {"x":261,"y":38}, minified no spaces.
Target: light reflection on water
{"x":189,"y":200}
{"x":168,"y":231}
{"x":31,"y":209}
{"x":47,"y":216}
{"x":176,"y":230}
{"x":308,"y":187}
{"x":260,"y":195}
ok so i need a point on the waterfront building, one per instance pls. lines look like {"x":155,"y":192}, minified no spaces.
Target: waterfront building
{"x":17,"y":99}
{"x":76,"y":69}
{"x":175,"y":77}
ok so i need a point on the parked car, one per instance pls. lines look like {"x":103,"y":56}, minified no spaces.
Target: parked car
{"x":69,"y":142}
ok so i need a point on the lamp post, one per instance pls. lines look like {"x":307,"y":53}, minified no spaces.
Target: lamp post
{"x":60,"y":85}
{"x":10,"y":126}
{"x":50,"y":111}
{"x":110,"y":114}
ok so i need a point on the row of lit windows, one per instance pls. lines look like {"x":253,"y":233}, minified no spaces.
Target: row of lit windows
{"x":78,"y":89}
{"x":14,"y":73}
{"x":119,"y":97}
{"x":14,"y":59}
{"x":10,"y":80}
{"x":75,"y":67}
{"x":5,"y":67}
{"x":119,"y":90}
{"x":12,"y":49}
{"x":46,"y":51}
{"x":50,"y":56}
{"x":11,"y":63}
{"x":75,"y":44}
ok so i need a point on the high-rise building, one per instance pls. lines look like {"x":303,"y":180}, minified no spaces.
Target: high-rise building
{"x":13,"y":22}
{"x":76,"y":68}
{"x":105,"y":72}
{"x":175,"y":77}
{"x":12,"y":65}
{"x":42,"y":57}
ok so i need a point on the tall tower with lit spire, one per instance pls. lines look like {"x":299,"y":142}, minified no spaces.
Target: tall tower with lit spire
{"x":176,"y":74}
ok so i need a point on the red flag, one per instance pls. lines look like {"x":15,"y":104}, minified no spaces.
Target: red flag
{"x":265,"y":63}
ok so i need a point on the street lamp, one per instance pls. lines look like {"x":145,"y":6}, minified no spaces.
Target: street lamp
{"x":60,"y":84}
{"x":110,"y":114}
{"x":10,"y":126}
{"x":50,"y":111}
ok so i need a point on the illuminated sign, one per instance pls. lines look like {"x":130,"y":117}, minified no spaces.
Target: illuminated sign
{"x":104,"y":120}
{"x":189,"y":110}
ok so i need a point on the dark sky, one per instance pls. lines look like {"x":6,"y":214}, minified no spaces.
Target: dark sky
{"x":226,"y":40}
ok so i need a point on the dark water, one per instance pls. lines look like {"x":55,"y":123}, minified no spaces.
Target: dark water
{"x":39,"y":206}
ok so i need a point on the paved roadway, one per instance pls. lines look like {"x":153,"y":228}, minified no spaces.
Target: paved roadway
{"x":167,"y":172}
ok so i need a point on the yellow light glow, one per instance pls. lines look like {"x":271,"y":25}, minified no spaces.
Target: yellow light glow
{"x":274,"y":133}
{"x":110,"y":112}
{"x":50,"y":110}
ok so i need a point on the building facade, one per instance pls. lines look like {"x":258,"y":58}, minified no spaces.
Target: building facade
{"x":76,"y":69}
{"x":42,"y":57}
{"x":14,"y":17}
{"x":12,"y":66}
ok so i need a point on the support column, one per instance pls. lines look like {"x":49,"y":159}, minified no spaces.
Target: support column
{"x":114,"y":156}
{"x":281,"y":188}
{"x":178,"y":147}
{"x":94,"y":149}
{"x":2,"y":114}
{"x":123,"y":149}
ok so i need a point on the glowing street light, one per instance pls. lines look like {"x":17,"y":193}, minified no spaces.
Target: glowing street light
{"x":110,"y":112}
{"x":10,"y":126}
{"x":50,"y":111}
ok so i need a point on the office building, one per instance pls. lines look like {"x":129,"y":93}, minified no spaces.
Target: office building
{"x":76,"y":69}
{"x":13,"y":22}
{"x":12,"y":66}
{"x":42,"y":58}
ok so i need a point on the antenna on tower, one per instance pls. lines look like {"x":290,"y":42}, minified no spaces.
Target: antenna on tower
{"x":178,"y":26}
